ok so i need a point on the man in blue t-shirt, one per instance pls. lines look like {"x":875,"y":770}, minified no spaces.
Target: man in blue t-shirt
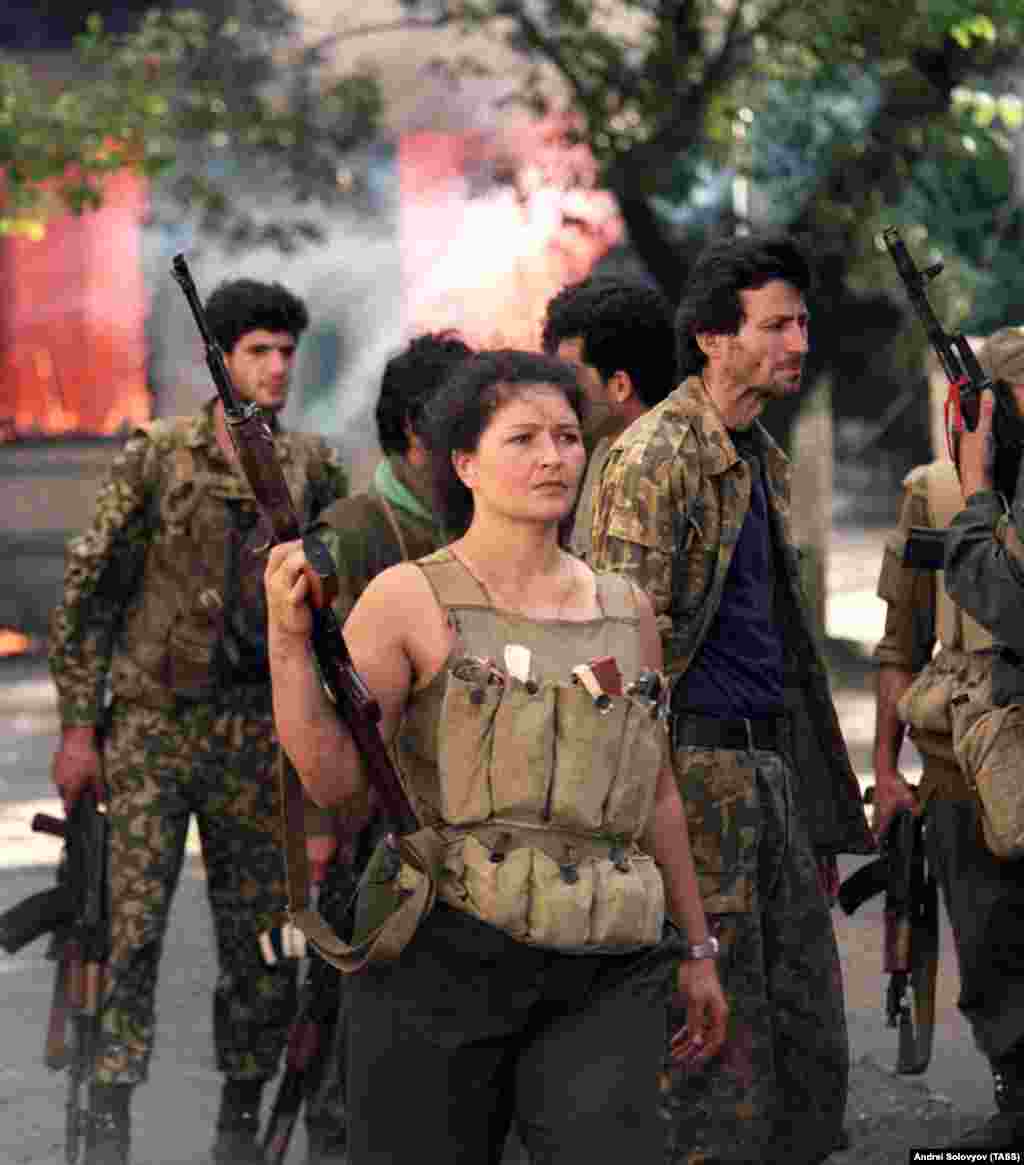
{"x":694,"y":505}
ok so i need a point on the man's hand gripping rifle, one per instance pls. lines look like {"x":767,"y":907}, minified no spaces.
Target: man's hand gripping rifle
{"x":911,"y":935}
{"x":967,"y":381}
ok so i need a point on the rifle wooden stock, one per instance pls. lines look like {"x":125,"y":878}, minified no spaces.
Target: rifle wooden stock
{"x":56,"y":1054}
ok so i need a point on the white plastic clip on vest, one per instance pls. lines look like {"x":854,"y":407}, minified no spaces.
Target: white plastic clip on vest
{"x":517,"y":664}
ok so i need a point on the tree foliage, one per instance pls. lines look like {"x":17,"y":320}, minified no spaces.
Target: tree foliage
{"x":846,"y":115}
{"x":197,"y":101}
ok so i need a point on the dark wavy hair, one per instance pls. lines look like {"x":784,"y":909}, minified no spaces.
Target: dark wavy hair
{"x":237,"y":306}
{"x":457,"y":415}
{"x":625,"y":326}
{"x":410,"y":379}
{"x":711,"y":301}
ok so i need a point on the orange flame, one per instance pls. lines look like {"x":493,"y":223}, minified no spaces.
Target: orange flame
{"x":486,"y":264}
{"x":13,"y":642}
{"x":72,"y":342}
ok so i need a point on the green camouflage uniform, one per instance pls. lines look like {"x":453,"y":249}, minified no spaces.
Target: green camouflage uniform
{"x":163,"y":604}
{"x":673,"y":498}
{"x":365,"y":534}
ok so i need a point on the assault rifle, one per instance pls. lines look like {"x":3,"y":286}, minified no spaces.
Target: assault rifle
{"x":911,"y":935}
{"x":75,"y":913}
{"x":925,"y":548}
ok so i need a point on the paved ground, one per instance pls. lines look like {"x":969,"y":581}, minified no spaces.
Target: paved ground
{"x":175,"y":1110}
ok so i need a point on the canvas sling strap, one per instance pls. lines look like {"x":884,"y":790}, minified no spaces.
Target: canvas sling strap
{"x":411,"y":888}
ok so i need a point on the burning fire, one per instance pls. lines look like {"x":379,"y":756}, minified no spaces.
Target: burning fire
{"x":72,"y":341}
{"x":14,"y":642}
{"x":493,"y":225}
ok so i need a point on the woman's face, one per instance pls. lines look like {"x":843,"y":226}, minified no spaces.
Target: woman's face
{"x":529,"y":459}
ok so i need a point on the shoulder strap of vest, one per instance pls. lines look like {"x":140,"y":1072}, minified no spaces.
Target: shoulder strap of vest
{"x":452,"y":584}
{"x":617,"y":596}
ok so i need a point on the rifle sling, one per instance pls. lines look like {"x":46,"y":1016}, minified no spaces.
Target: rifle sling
{"x":417,"y":882}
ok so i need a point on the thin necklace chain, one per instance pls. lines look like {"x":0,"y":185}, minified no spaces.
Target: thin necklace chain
{"x":570,"y":587}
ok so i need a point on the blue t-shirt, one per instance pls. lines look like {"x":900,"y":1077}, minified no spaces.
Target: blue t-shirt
{"x":738,"y":671}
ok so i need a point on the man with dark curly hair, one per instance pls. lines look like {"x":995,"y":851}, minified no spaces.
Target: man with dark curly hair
{"x":163,"y":607}
{"x":619,"y":336}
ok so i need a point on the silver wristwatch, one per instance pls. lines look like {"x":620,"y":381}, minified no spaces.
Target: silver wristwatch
{"x":708,"y":949}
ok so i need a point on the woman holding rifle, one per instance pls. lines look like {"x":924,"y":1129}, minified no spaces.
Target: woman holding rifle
{"x":520,"y":695}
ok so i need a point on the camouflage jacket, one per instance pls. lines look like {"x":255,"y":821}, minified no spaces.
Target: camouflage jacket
{"x":583,"y":518}
{"x":365,"y":534}
{"x":148,"y":586}
{"x":672,"y":500}
{"x":984,"y":573}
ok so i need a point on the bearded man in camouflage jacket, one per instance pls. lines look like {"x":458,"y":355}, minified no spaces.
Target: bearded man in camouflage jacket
{"x":163,"y":609}
{"x":694,"y":504}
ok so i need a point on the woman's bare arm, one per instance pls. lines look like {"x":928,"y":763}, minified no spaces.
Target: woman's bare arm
{"x":667,"y":840}
{"x":387,"y":645}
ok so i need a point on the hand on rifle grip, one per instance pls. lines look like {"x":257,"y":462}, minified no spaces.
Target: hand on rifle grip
{"x":976,"y":450}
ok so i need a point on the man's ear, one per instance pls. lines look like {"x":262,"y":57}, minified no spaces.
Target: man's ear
{"x":620,"y":387}
{"x":708,"y":342}
{"x":464,"y":465}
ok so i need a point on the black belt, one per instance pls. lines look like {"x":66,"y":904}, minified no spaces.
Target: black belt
{"x":709,"y":732}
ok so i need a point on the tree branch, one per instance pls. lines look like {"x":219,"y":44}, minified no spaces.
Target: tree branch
{"x":405,"y":22}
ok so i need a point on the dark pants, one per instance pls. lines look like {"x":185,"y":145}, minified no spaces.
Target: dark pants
{"x":471,"y":1031}
{"x":985,"y":901}
{"x":777,"y":1092}
{"x":326,"y":1115}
